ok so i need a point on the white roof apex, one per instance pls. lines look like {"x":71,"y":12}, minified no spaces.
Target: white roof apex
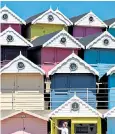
{"x":6,"y":8}
{"x":21,"y":57}
{"x":87,"y":106}
{"x":73,"y":55}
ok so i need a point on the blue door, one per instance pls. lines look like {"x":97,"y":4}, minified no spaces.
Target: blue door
{"x":91,"y":56}
{"x":107,"y":56}
{"x":59,"y":90}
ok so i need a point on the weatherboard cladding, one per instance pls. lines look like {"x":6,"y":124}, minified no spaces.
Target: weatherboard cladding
{"x":110,"y":21}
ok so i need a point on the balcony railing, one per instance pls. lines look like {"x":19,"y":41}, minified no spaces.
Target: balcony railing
{"x":13,"y":99}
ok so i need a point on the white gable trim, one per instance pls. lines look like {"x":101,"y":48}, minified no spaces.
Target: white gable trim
{"x":73,"y":55}
{"x":21,"y":57}
{"x":112,"y":25}
{"x":55,"y":112}
{"x":5,"y":8}
{"x":26,"y":112}
{"x":111,"y":71}
{"x":64,"y":19}
{"x":10,"y":29}
{"x":103,"y":24}
{"x":65,"y":33}
{"x":90,"y":45}
{"x":110,"y":113}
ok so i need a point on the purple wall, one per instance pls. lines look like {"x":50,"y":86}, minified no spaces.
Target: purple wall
{"x":16,"y":27}
{"x":85,"y":31}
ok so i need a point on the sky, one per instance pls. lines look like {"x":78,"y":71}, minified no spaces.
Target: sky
{"x":25,"y":9}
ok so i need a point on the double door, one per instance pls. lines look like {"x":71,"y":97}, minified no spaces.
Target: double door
{"x":95,"y":56}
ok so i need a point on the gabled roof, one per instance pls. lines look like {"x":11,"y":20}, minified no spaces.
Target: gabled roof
{"x":82,"y":20}
{"x":84,"y":110}
{"x":87,"y":39}
{"x":57,"y":13}
{"x":19,"y":40}
{"x":102,"y":68}
{"x":29,"y":67}
{"x":110,"y":113}
{"x":38,"y":114}
{"x":46,"y":40}
{"x":76,"y":18}
{"x":110,"y":22}
{"x":64,"y":66}
{"x":91,"y":41}
{"x":5,"y":8}
{"x":111,"y":71}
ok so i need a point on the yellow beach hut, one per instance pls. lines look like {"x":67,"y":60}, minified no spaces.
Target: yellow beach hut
{"x":80,"y":116}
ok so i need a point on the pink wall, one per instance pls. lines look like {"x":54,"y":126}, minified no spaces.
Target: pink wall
{"x":16,"y":27}
{"x":85,"y":31}
{"x":55,"y":55}
{"x":15,"y":125}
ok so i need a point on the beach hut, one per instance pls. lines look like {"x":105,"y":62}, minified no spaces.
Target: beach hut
{"x":49,"y":50}
{"x":46,"y":22}
{"x":80,"y":116}
{"x":110,"y":115}
{"x":22,"y":85}
{"x":87,"y":24}
{"x":24,"y":122}
{"x":11,"y":45}
{"x":72,"y":75}
{"x":9,"y":18}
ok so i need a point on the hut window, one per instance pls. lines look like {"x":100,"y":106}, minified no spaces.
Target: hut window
{"x":21,"y":65}
{"x":73,"y":67}
{"x":91,"y":19}
{"x":106,"y":42}
{"x":50,"y":18}
{"x":63,"y":40}
{"x":10,"y":38}
{"x":4,"y":16}
{"x":75,"y":106}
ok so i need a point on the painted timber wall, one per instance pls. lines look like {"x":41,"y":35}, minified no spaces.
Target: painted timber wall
{"x":95,"y":56}
{"x":38,"y":30}
{"x":27,"y":125}
{"x":112,"y":31}
{"x":111,"y":92}
{"x":65,"y":83}
{"x":110,"y":116}
{"x":85,"y":31}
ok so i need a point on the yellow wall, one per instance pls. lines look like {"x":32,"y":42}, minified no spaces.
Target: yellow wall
{"x":42,"y":29}
{"x":80,"y":120}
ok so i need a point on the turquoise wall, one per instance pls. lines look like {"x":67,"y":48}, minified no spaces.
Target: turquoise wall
{"x":112,"y":31}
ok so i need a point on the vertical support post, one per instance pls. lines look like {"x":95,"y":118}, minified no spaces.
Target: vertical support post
{"x":72,"y":128}
{"x":55,"y":132}
{"x":52,"y":126}
{"x":12,"y":99}
{"x":87,"y":95}
{"x":99,"y":126}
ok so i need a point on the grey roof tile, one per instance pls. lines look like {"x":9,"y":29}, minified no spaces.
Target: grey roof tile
{"x":86,"y":40}
{"x":76,"y":18}
{"x":30,"y":19}
{"x":110,"y":21}
{"x":39,"y":41}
